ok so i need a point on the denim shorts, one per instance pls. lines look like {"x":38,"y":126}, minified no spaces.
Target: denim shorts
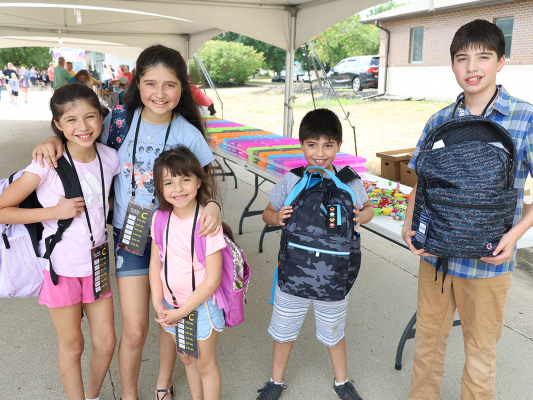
{"x":128,"y":264}
{"x":209,"y":317}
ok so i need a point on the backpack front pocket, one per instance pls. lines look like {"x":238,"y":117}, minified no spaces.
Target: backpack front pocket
{"x":319,"y":267}
{"x":466,"y":223}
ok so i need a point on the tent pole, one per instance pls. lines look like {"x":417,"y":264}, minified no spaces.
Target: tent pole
{"x":187,"y":56}
{"x":289,"y":73}
{"x":286,"y":101}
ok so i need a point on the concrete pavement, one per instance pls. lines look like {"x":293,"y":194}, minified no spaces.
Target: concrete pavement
{"x":382,"y":302}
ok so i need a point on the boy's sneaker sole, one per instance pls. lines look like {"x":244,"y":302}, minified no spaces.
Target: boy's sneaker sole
{"x":271,"y":391}
{"x":346,"y":391}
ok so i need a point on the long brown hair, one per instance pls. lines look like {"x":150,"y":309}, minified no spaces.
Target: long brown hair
{"x":174,"y":62}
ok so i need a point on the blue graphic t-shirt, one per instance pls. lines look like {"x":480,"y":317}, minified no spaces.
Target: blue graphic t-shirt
{"x":181,"y":132}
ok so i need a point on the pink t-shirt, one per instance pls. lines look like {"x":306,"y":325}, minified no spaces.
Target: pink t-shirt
{"x":179,"y":258}
{"x":72,"y":256}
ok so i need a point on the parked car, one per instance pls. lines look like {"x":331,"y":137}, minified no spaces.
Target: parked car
{"x":299,"y":75}
{"x":356,"y":72}
{"x":278,"y":78}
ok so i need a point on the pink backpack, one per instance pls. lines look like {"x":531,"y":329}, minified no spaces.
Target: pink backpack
{"x":231,"y":294}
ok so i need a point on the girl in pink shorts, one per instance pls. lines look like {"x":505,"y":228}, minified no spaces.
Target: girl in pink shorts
{"x":76,"y":275}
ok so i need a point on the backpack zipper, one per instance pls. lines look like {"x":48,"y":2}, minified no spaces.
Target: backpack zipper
{"x":318,"y":251}
{"x":462,"y":205}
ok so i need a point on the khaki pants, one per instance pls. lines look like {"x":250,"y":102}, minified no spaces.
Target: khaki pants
{"x":481,"y":306}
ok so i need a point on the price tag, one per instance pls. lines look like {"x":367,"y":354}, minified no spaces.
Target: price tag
{"x":136,"y":229}
{"x":423,"y":224}
{"x":187,"y":336}
{"x":100,"y":264}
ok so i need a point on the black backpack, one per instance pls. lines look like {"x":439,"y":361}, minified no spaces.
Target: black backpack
{"x":320,"y":253}
{"x":72,"y":188}
{"x":465,"y":188}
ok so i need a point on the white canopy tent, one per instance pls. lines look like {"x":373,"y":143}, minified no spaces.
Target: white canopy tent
{"x":125,"y":27}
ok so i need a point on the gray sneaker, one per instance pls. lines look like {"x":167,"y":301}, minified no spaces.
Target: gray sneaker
{"x":346,"y":391}
{"x":271,"y":391}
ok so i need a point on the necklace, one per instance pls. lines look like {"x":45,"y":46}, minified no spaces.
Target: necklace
{"x":150,"y":137}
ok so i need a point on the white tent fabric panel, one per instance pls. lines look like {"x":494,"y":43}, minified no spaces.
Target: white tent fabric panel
{"x":182,"y":24}
{"x":259,"y":19}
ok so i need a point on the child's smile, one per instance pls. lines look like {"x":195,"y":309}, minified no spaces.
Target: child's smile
{"x":320,"y":152}
{"x":180,"y":191}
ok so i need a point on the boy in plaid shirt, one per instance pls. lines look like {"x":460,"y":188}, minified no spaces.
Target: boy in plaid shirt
{"x":476,"y":288}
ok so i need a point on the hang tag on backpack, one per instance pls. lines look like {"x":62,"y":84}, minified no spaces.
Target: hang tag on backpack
{"x":423,"y":224}
{"x":136,"y":229}
{"x":100,"y":267}
{"x":333,"y":218}
{"x":187,"y":336}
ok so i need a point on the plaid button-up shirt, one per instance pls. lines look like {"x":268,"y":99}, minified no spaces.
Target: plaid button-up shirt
{"x":517,"y":117}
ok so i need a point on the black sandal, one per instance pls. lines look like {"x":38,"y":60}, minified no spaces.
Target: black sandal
{"x":166,"y":391}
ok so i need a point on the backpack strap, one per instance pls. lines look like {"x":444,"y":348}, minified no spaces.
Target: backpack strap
{"x":299,"y":172}
{"x":121,"y":118}
{"x":160,"y":222}
{"x":200,"y":247}
{"x":347,"y":174}
{"x":70,"y":182}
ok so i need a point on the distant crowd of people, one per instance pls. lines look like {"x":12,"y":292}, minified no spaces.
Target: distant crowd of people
{"x":19,"y":80}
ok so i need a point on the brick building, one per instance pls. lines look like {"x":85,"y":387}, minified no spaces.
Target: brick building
{"x":419,"y":50}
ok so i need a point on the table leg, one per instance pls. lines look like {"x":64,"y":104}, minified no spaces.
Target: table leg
{"x":223,"y":174}
{"x":246,"y":212}
{"x":232,"y":172}
{"x":409,"y":333}
{"x":266,"y":229}
{"x":220,"y":168}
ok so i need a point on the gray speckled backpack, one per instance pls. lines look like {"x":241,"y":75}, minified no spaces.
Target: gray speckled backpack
{"x":466,"y":171}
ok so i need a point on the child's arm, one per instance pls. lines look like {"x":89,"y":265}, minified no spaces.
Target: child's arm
{"x":156,"y":285}
{"x":364,"y":216}
{"x":19,"y":190}
{"x":211,"y":219}
{"x":48,"y":151}
{"x":504,"y":251}
{"x":213,"y":265}
{"x":273,"y":217}
{"x":407,"y":233}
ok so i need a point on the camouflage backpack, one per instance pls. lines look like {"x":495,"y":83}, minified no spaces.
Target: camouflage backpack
{"x":320,"y":253}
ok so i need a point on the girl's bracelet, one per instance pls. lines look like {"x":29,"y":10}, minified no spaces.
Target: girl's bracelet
{"x":213,"y":201}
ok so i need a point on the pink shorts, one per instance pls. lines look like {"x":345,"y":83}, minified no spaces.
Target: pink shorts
{"x":68,"y":292}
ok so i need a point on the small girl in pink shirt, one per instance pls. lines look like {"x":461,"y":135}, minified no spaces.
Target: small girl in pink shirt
{"x":183,"y":188}
{"x":77,"y":282}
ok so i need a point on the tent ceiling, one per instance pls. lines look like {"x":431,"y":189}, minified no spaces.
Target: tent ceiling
{"x":116,"y":20}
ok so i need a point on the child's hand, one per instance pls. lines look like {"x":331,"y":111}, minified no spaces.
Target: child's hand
{"x":284,"y":213}
{"x":68,"y":208}
{"x":48,"y":152}
{"x":210,"y":220}
{"x":168,"y":318}
{"x":357,"y":214}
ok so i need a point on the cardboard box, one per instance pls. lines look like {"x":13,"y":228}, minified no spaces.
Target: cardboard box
{"x":408,"y":176}
{"x":528,"y":200}
{"x":390,"y":162}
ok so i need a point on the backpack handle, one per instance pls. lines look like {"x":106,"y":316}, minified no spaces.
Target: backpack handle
{"x":303,"y":183}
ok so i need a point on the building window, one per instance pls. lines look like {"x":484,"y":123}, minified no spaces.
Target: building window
{"x":506,"y":25}
{"x":417,"y":42}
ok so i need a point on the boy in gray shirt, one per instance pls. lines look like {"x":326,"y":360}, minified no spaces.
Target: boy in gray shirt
{"x":321,"y":139}
{"x":14,"y":85}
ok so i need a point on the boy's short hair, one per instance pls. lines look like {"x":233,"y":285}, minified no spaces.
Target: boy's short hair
{"x":478,"y":33}
{"x":320,"y":123}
